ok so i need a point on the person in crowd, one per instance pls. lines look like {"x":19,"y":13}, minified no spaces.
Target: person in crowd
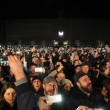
{"x":37,"y":84}
{"x":106,"y":63}
{"x":77,"y":68}
{"x":83,"y":93}
{"x":103,"y":75}
{"x":26,"y":99}
{"x":86,"y":68}
{"x":66,"y":85}
{"x":76,"y":62}
{"x":107,"y":54}
{"x":60,"y":76}
{"x":32,"y":69}
{"x":50,"y":88}
{"x":8,"y":97}
{"x":106,"y":92}
{"x":76,"y":57}
{"x":65,"y":89}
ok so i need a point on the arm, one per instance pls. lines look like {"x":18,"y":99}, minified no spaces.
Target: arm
{"x":54,"y":72}
{"x":25,"y":96}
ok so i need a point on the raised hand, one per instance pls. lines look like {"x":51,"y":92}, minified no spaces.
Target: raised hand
{"x":16,"y":67}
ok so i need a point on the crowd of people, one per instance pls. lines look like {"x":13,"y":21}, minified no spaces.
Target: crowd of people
{"x":29,"y":75}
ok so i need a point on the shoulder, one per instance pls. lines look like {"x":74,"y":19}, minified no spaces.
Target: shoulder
{"x":4,"y":106}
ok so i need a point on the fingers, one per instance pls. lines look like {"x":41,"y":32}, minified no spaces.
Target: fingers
{"x":13,"y":58}
{"x":82,"y":108}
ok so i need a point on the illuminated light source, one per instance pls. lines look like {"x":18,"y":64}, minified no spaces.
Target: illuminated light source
{"x":55,"y":42}
{"x":60,"y":33}
{"x":65,"y":43}
{"x":4,"y":54}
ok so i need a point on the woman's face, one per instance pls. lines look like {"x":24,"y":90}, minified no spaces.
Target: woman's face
{"x":10,"y":95}
{"x":36,"y":84}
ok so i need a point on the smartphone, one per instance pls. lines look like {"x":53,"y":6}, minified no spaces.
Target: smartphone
{"x":54,"y":99}
{"x":40,"y":70}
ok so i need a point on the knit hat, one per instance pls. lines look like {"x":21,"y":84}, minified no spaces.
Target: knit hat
{"x":65,"y":81}
{"x":36,"y":77}
{"x":48,"y":79}
{"x":78,"y":75}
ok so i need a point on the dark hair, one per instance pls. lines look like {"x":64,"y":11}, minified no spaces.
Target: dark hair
{"x":5,"y":87}
{"x":106,"y":84}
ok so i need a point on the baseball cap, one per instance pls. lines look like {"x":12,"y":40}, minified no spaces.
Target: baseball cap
{"x":48,"y":79}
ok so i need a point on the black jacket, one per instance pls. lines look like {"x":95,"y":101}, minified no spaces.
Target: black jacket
{"x":5,"y":106}
{"x":80,"y":98}
{"x":26,"y":98}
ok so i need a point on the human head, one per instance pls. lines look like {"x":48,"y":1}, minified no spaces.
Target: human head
{"x":32,"y":68}
{"x":76,"y":62}
{"x":66,"y":84}
{"x":83,"y":82}
{"x":60,"y":76}
{"x":105,"y":70}
{"x":49,"y":85}
{"x":77,"y":68}
{"x":106,"y":88}
{"x":107,"y":63}
{"x":8,"y":93}
{"x":76,"y":57}
{"x":36,"y":83}
{"x":85,"y":67}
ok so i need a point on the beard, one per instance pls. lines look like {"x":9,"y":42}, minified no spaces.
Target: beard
{"x":88,"y":88}
{"x":49,"y":92}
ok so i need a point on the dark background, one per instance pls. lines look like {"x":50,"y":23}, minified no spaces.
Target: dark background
{"x":41,"y":20}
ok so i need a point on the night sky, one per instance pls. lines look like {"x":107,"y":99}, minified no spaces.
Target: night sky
{"x":88,"y":19}
{"x":55,"y":9}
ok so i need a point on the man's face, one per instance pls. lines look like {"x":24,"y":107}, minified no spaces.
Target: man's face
{"x":60,"y":76}
{"x":32,"y":68}
{"x":85,"y":84}
{"x":49,"y":88}
{"x":85,"y":69}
